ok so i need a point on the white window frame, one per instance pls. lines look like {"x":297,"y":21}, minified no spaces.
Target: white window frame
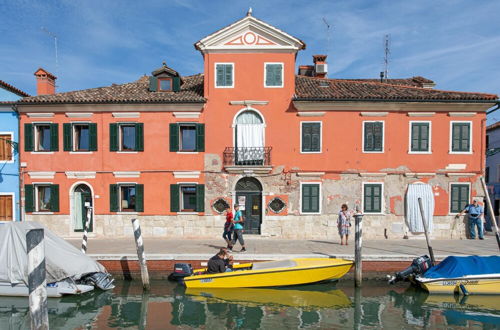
{"x":320,"y":202}
{"x":429,"y":151}
{"x":120,"y":140}
{"x":35,"y":137}
{"x":191,"y":124}
{"x":320,"y":137}
{"x":35,"y":188}
{"x":181,"y":200}
{"x":449,"y":194}
{"x":11,"y":148}
{"x":451,"y":138}
{"x":120,"y":185}
{"x":363,"y":137}
{"x":282,"y":74}
{"x":73,"y":137}
{"x":382,"y":198}
{"x":14,"y":213}
{"x":215,"y":74}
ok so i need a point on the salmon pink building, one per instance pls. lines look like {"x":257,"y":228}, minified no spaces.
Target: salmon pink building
{"x":283,"y":141}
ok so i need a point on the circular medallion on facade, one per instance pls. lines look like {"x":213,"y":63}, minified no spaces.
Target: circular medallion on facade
{"x":220,"y":205}
{"x":249,"y":38}
{"x":277,"y":205}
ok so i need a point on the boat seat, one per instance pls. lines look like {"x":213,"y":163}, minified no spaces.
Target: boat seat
{"x":274,"y":264}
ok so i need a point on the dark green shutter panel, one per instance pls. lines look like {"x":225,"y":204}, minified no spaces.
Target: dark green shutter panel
{"x":176,"y":84}
{"x":174,"y":198}
{"x":93,"y":136}
{"x":174,"y":137}
{"x":220,"y":75}
{"x":277,"y":75}
{"x":54,"y":137}
{"x":269,"y":75}
{"x":306,"y":137}
{"x":228,"y":71}
{"x":200,"y":198}
{"x":153,"y":84}
{"x":368,"y":137}
{"x":29,"y":197}
{"x":464,"y":196}
{"x":139,"y":198}
{"x":378,"y":136}
{"x":113,"y":137}
{"x":200,"y":137}
{"x":377,"y":198}
{"x":139,"y":137}
{"x":455,"y":197}
{"x":465,"y":137}
{"x":315,"y":137}
{"x":113,"y":198}
{"x":315,"y":198}
{"x":28,"y":137}
{"x":54,"y":198}
{"x":67,"y":140}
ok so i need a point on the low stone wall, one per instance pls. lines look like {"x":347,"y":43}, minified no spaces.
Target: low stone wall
{"x":291,"y":226}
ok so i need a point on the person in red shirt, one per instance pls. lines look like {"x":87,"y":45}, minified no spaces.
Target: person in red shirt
{"x":228,"y":228}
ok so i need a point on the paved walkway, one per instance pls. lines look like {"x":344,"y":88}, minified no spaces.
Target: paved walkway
{"x":267,"y":248}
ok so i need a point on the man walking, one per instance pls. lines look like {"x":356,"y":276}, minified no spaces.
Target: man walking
{"x":476,"y":213}
{"x":238,"y":228}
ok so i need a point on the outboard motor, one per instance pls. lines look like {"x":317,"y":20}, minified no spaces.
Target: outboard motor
{"x":418,"y":267}
{"x":181,"y":270}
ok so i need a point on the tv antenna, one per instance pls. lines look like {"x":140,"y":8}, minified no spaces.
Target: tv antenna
{"x":387,"y":52}
{"x":327,"y":36}
{"x":53,"y":35}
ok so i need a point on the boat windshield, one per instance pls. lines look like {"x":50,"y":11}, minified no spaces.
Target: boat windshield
{"x":274,"y":264}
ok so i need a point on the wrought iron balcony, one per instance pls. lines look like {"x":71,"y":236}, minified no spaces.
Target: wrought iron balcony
{"x":258,"y":156}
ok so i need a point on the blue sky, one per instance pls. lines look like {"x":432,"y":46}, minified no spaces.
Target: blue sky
{"x":456,"y":43}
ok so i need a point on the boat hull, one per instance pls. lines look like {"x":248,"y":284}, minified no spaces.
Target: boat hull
{"x":58,"y":289}
{"x":307,"y":270}
{"x":472,"y":285}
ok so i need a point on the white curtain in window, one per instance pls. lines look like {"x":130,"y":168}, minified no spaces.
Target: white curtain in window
{"x":249,"y":136}
{"x":413,"y":216}
{"x":77,"y":209}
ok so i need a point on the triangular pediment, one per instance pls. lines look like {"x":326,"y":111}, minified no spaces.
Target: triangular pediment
{"x":249,"y":33}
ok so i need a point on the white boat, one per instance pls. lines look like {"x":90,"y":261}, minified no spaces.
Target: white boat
{"x":68,"y":270}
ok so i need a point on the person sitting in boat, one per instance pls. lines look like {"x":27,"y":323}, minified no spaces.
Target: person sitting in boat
{"x":220,"y":263}
{"x":476,"y":213}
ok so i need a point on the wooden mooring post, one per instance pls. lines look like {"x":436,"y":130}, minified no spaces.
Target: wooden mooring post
{"x":358,"y":245}
{"x":37,"y":283}
{"x":140,"y":254}
{"x":86,"y":227}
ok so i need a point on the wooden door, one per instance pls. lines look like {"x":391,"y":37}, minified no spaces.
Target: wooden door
{"x":6,"y":211}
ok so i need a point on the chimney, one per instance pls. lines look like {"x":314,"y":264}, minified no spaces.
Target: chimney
{"x":320,"y":66}
{"x":45,"y":82}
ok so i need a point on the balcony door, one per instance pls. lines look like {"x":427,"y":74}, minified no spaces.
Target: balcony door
{"x":249,"y":133}
{"x":249,"y":198}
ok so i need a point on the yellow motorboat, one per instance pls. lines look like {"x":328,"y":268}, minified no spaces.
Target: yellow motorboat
{"x":272,"y":273}
{"x":305,"y":299}
{"x":472,"y":284}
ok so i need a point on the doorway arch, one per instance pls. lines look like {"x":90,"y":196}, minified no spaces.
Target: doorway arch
{"x":249,"y":198}
{"x":81,"y":194}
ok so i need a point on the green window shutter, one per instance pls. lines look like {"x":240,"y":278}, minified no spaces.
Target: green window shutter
{"x":424,"y":137}
{"x":372,"y":198}
{"x":113,"y":137}
{"x":464,"y":196}
{"x":465,"y":137}
{"x":93,"y":136}
{"x":228,"y":74}
{"x":420,"y":137}
{"x":278,"y":74}
{"x":176,"y":81}
{"x":219,"y":75}
{"x":200,"y":198}
{"x":139,"y":137}
{"x":315,"y":137}
{"x":29,"y":197}
{"x":174,"y":137}
{"x":224,"y":75}
{"x":310,"y":198}
{"x":460,"y":137}
{"x":113,"y":198}
{"x":274,"y":75}
{"x":378,"y":134}
{"x":306,"y":137}
{"x":54,"y":137}
{"x":139,"y":198}
{"x":28,"y":137}
{"x":200,"y":137}
{"x":153,"y":84}
{"x":174,"y":198}
{"x":306,"y":202}
{"x":368,"y":143}
{"x":269,"y":75}
{"x":54,"y":198}
{"x":67,"y":137}
{"x":315,"y":198}
{"x":454,"y":200}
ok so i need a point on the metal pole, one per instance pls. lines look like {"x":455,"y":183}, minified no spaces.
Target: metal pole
{"x":492,"y":213}
{"x":86,"y":228}
{"x":358,"y":244}
{"x":35,"y":248}
{"x":140,"y":254}
{"x":424,"y":221}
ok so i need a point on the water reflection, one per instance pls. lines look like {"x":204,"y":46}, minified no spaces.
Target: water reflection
{"x":324,"y":306}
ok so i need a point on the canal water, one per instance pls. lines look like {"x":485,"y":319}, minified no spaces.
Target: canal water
{"x":324,"y":306}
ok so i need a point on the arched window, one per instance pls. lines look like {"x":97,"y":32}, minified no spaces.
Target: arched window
{"x":249,"y":138}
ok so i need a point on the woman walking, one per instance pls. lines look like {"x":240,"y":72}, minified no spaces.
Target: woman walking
{"x":228,"y":228}
{"x":238,"y":228}
{"x":344,"y":224}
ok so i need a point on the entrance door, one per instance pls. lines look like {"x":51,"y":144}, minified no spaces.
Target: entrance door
{"x":82,"y":195}
{"x":249,"y":197}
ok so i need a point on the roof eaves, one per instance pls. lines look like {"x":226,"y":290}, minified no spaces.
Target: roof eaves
{"x":319,"y":99}
{"x":13,"y":89}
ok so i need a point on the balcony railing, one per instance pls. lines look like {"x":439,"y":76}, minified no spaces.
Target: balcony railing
{"x":258,"y":156}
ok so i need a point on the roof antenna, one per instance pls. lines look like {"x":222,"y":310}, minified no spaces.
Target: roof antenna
{"x":53,"y":35}
{"x":387,"y":52}
{"x":249,"y":12}
{"x":327,"y":36}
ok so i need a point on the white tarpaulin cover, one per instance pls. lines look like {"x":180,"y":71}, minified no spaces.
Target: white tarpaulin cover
{"x":62,"y":259}
{"x":413,"y":216}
